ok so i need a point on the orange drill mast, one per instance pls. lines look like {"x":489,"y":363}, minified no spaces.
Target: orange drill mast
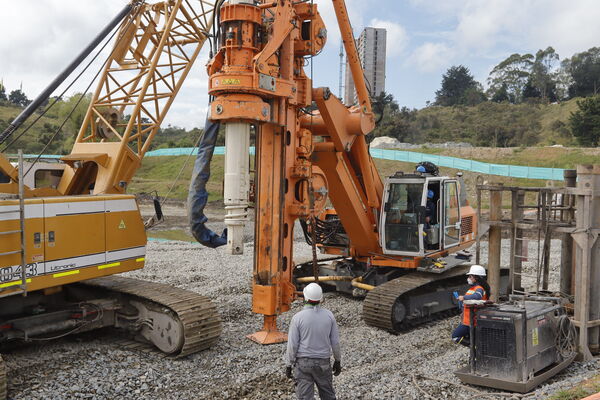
{"x":257,"y":77}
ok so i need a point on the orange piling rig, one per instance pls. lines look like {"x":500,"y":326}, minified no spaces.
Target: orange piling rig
{"x":257,"y":76}
{"x":305,"y":157}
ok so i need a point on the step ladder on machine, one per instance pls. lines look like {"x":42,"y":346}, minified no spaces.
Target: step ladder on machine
{"x":20,"y":281}
{"x":519,"y":243}
{"x":520,"y":250}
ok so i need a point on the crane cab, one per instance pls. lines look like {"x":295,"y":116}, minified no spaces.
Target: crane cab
{"x":422,"y":214}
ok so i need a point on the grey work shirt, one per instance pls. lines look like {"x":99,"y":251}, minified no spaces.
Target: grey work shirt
{"x":314,"y":334}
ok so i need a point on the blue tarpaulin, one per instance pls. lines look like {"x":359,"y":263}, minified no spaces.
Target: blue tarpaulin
{"x":514,"y":171}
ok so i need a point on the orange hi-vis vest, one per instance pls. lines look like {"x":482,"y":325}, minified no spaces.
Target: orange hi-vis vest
{"x":467,"y":309}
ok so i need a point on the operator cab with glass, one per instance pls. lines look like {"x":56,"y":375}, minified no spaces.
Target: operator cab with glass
{"x":421,"y":214}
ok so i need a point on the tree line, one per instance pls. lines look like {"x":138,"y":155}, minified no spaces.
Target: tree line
{"x":58,"y":138}
{"x":526,"y":81}
{"x":523,"y":77}
{"x":15,"y":98}
{"x":506,"y":114}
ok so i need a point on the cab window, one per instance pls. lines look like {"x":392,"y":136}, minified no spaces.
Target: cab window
{"x":47,"y":178}
{"x":4,"y":178}
{"x":401,"y":220}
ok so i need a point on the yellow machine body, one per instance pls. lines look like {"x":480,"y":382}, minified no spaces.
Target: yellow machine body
{"x":69,"y":239}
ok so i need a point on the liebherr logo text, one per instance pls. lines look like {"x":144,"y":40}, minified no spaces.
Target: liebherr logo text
{"x":55,"y":268}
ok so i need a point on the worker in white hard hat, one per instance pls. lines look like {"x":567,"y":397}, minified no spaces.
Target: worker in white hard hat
{"x":313,"y":337}
{"x":479,"y":290}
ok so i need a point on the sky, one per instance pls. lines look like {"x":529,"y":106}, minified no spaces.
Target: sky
{"x":425,"y":38}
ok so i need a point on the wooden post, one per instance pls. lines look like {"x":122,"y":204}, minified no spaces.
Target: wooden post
{"x":566,"y":252}
{"x":546,"y":204}
{"x":516,"y":245}
{"x":477,"y":239}
{"x":495,"y":243}
{"x":587,"y":271}
{"x":594,"y":254}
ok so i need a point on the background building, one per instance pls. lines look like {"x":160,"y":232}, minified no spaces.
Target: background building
{"x":371,"y":51}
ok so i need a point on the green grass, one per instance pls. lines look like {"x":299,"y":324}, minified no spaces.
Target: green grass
{"x":581,"y":391}
{"x":549,"y":157}
{"x":9,"y":113}
{"x":553,"y":115}
{"x":160,"y":173}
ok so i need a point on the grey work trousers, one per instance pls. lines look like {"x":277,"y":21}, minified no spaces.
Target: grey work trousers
{"x":311,"y":371}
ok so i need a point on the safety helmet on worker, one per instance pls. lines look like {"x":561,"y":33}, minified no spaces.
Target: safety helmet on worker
{"x":477,"y":270}
{"x":430,"y":194}
{"x":421,"y":168}
{"x":313,"y":292}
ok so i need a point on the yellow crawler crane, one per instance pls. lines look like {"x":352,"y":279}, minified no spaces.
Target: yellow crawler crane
{"x":61,"y":246}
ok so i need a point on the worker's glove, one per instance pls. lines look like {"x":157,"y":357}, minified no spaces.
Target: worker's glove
{"x":288,"y":372}
{"x":337,"y":368}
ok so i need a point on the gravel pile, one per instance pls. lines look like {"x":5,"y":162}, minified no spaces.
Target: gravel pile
{"x":377,"y":365}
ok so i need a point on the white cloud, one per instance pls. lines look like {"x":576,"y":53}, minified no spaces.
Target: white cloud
{"x":477,"y":30}
{"x":356,"y":10}
{"x":56,"y":31}
{"x":396,"y":39}
{"x":482,"y":27}
{"x":569,"y":27}
{"x":430,"y":57}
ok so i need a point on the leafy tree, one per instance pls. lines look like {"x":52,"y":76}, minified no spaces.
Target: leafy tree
{"x":385,"y":108}
{"x":459,"y":87}
{"x":530,"y":91}
{"x":46,"y":134}
{"x":541,"y":78}
{"x":474,"y":95}
{"x":384,"y":103}
{"x":513,"y":73}
{"x":3,"y":97}
{"x":74,"y":110}
{"x":408,"y":126}
{"x":383,"y":100}
{"x":18,"y":98}
{"x":584,"y":68}
{"x":585,"y":122}
{"x":501,"y":94}
{"x":563,"y":80}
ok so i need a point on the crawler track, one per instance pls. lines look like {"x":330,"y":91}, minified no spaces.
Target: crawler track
{"x":380,"y":305}
{"x":199,"y":317}
{"x":2,"y":379}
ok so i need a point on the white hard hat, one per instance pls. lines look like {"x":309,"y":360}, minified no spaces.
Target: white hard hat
{"x":476,"y":270}
{"x":313,"y":292}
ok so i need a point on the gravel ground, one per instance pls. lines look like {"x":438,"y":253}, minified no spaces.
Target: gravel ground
{"x":377,"y":365}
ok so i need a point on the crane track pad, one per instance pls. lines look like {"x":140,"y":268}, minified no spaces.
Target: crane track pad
{"x":194,"y":313}
{"x":383,"y":306}
{"x":2,"y":379}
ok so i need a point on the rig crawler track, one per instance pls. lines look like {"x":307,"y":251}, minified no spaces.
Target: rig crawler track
{"x":199,"y":317}
{"x":384,"y":306}
{"x":2,"y":379}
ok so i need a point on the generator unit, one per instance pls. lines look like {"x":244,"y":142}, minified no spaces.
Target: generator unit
{"x":518,"y":345}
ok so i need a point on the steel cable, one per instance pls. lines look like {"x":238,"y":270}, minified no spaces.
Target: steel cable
{"x":82,"y":95}
{"x":57,"y":98}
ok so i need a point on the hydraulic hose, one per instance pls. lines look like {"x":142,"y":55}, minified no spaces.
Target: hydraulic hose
{"x":325,"y":278}
{"x":357,"y":283}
